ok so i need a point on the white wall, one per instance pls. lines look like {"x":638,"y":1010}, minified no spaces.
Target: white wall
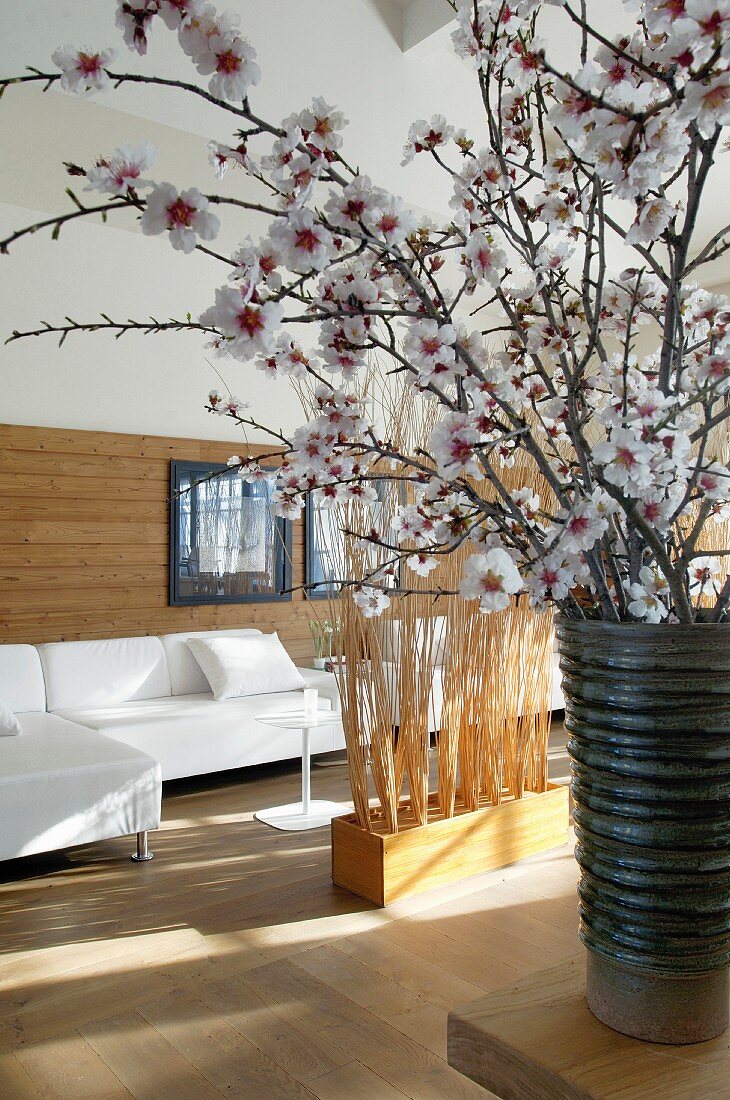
{"x":347,"y":51}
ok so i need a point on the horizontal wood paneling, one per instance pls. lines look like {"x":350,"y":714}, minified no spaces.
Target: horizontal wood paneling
{"x":84,"y":538}
{"x":39,"y":487}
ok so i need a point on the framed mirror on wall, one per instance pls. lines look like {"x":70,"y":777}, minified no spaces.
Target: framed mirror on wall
{"x":225,"y":544}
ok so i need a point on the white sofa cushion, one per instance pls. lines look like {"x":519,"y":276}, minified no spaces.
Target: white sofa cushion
{"x":431,"y":642}
{"x":436,"y":697}
{"x":186,"y":675}
{"x":21,"y":678}
{"x":61,"y":784}
{"x":114,"y":670}
{"x":234,"y":667}
{"x":194,"y":734}
{"x":9,"y":724}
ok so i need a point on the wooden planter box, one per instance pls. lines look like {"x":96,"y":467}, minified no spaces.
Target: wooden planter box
{"x":385,"y":867}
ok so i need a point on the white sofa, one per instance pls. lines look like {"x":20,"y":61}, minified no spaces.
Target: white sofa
{"x":104,"y":722}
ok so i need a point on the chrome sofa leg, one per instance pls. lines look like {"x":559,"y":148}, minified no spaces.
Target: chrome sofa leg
{"x":143,"y":854}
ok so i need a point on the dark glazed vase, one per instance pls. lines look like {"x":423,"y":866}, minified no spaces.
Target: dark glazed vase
{"x":647,"y":709}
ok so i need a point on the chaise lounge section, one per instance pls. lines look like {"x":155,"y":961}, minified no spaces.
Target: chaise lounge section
{"x":60,"y":783}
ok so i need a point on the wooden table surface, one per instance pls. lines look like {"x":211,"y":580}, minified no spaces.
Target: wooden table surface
{"x":536,"y":1040}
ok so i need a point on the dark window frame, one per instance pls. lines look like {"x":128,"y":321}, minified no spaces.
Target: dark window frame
{"x":181,"y":467}
{"x":325,"y":590}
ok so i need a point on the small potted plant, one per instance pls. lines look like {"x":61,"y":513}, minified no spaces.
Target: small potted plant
{"x":322,"y":640}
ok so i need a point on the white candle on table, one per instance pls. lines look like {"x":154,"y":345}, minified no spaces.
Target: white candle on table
{"x":310,"y":702}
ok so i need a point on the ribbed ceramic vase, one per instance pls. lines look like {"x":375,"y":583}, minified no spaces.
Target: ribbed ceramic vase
{"x":647,"y":709}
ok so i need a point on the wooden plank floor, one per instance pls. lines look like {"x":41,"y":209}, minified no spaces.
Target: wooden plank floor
{"x":231,"y":966}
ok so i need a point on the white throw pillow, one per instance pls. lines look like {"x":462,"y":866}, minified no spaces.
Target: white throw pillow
{"x":257,"y":665}
{"x":9,"y":724}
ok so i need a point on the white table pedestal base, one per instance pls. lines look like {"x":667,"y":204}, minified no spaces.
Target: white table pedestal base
{"x":293,"y":818}
{"x":307,"y":814}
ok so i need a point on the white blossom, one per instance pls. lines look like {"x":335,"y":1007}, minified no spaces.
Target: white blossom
{"x":305,"y":244}
{"x":250,"y":327}
{"x":123,"y":169}
{"x":706,"y":575}
{"x":426,"y":136}
{"x":647,"y":596}
{"x":372,"y":601}
{"x":83,"y":70}
{"x":184,"y":215}
{"x":491,"y":578}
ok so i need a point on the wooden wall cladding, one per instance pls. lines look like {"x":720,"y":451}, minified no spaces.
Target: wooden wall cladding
{"x":84,"y":536}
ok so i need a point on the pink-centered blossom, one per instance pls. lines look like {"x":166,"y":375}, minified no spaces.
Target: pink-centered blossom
{"x":646,"y":596}
{"x":133,"y":19}
{"x":288,"y":358}
{"x":707,"y":103}
{"x":653,"y":217}
{"x":232,"y":61}
{"x":452,"y":443}
{"x":714,"y":372}
{"x":484,"y":259}
{"x":426,"y":136}
{"x":429,"y":347}
{"x":250,"y":327}
{"x":226,"y":405}
{"x":492,"y":578}
{"x":320,"y":125}
{"x":714,"y":482}
{"x":371,"y":601}
{"x":351,"y":206}
{"x":83,"y":70}
{"x":184,"y":215}
{"x":550,"y":578}
{"x":577,"y":529}
{"x":256,"y":265}
{"x":421,"y":563}
{"x":179,"y":13}
{"x":393,"y":221}
{"x":626,"y":461}
{"x":305,"y":244}
{"x":222,"y":157}
{"x":123,"y":169}
{"x":194,"y":33}
{"x":706,"y":576}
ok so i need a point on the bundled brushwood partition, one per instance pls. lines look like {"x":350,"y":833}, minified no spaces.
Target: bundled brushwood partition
{"x":437,"y":678}
{"x":436,"y":673}
{"x":433,"y":676}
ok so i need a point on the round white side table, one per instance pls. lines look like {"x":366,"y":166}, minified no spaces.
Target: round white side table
{"x":309,"y":813}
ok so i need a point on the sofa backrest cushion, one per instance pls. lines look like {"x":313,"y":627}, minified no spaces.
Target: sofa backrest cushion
{"x":186,"y":675}
{"x":114,"y":670}
{"x":21,"y":678}
{"x":430,"y":643}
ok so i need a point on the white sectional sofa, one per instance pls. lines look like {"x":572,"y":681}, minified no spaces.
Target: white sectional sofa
{"x":104,"y":722}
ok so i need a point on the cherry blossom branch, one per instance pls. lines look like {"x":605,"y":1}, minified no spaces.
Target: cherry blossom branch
{"x":710,"y":251}
{"x":682,"y":606}
{"x":723,"y":602}
{"x":710,"y":423}
{"x":108,"y":325}
{"x":50,"y":79}
{"x":61,"y":219}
